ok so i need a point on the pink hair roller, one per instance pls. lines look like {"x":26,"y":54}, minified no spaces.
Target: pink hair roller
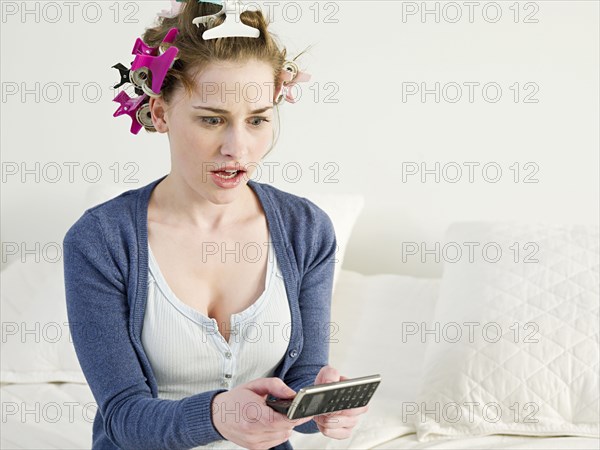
{"x":134,"y":108}
{"x":148,"y":60}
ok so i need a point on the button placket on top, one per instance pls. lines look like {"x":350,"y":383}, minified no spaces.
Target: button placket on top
{"x":228,"y":360}
{"x":238,"y":320}
{"x":208,"y":325}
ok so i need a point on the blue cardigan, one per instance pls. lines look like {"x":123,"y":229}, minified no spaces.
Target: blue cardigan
{"x":105,"y":274}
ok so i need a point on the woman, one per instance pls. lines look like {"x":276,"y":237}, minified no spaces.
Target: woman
{"x":180,"y":331}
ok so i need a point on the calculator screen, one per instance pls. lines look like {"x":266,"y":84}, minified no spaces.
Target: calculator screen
{"x":313,"y":406}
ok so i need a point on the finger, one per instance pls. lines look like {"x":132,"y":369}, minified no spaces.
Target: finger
{"x":302,"y":420}
{"x":333,"y":423}
{"x":272,"y":385}
{"x":354,"y":411}
{"x":295,"y":422}
{"x":338,"y":433}
{"x":327,"y":374}
{"x":273,"y":440}
{"x":281,"y":421}
{"x":347,"y":412}
{"x":278,"y":421}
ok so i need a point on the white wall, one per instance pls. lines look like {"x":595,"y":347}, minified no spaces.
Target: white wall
{"x":370,"y":133}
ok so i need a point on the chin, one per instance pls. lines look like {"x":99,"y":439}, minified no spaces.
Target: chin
{"x":227,"y":195}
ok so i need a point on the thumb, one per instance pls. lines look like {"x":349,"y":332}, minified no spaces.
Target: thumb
{"x":327,"y":374}
{"x":273,"y":385}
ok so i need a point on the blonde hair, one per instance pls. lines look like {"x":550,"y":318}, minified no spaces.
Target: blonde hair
{"x":195,"y":53}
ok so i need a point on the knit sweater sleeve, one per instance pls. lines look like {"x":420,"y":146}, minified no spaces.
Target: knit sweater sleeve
{"x":98,"y":311}
{"x":314,"y":300}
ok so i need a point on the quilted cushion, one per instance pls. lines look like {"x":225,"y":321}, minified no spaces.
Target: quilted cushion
{"x":517,"y":330}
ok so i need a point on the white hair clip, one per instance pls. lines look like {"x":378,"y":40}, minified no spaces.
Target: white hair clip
{"x":233,"y":25}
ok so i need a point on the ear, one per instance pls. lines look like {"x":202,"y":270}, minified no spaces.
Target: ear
{"x":158,"y":111}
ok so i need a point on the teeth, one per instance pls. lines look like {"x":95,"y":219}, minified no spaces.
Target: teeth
{"x":227,"y":177}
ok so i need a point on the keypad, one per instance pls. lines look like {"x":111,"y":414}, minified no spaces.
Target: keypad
{"x":340,"y":399}
{"x":327,"y":402}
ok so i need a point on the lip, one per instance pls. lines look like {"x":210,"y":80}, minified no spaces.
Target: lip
{"x":230,"y":167}
{"x":227,"y":183}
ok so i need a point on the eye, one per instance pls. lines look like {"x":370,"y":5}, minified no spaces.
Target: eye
{"x":213,"y":121}
{"x":262,"y":119}
{"x":206,"y":119}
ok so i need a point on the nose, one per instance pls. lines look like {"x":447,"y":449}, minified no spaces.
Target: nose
{"x":235,"y":142}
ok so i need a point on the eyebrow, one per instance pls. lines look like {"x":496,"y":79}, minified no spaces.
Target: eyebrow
{"x":224,"y":111}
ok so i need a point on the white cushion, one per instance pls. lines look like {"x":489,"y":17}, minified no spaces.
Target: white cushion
{"x":36,"y":343}
{"x":372,"y":316}
{"x":343,"y":210}
{"x":540,"y":375}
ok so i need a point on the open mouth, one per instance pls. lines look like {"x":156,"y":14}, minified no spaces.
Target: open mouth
{"x":228,"y":178}
{"x":228,"y":174}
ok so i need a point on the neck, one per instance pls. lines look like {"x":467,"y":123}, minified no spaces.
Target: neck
{"x":180,"y":204}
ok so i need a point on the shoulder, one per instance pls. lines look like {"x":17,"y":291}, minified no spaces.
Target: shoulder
{"x":111,"y":217}
{"x":306,"y":227}
{"x":296,"y":211}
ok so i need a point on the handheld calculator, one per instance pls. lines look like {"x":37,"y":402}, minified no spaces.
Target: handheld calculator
{"x":327,"y":397}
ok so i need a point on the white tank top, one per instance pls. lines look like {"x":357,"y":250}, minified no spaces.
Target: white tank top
{"x":189,"y":355}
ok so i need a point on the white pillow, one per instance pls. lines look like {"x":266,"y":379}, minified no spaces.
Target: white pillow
{"x":530,"y":365}
{"x":343,"y":210}
{"x":36,"y":343}
{"x":372,"y":321}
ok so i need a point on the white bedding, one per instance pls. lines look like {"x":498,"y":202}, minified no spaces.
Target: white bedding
{"x":76,"y":405}
{"x":496,"y":442}
{"x":47,"y":416}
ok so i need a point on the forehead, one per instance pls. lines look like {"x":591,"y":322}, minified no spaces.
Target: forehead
{"x":229,"y":83}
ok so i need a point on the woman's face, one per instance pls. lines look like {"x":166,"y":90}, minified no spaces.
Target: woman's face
{"x":227,"y":122}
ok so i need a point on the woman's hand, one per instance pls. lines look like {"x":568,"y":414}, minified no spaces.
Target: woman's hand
{"x":338,"y":424}
{"x":242,"y":416}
